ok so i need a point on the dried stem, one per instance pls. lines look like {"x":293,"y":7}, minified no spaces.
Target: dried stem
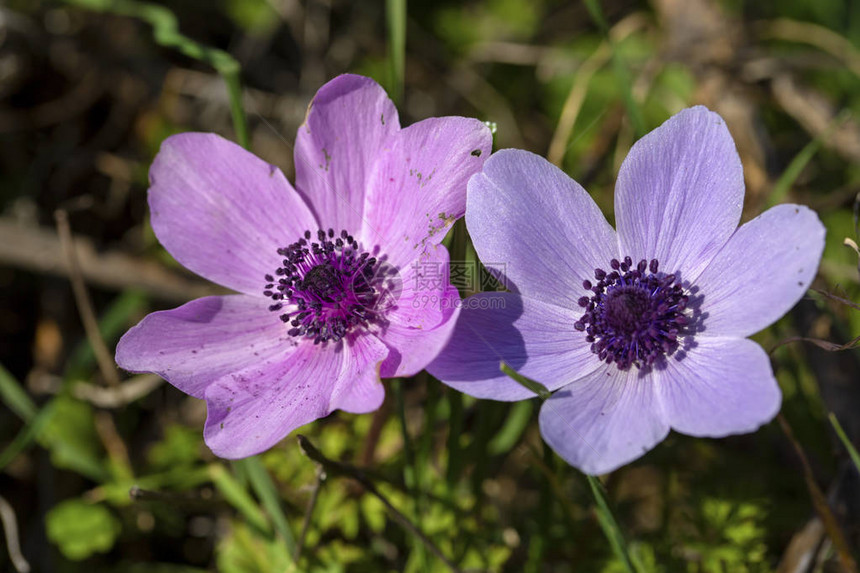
{"x":819,"y":502}
{"x":82,"y":299}
{"x":10,"y":527}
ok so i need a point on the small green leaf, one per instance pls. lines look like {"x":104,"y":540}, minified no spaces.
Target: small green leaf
{"x":80,"y":529}
{"x":71,"y":436}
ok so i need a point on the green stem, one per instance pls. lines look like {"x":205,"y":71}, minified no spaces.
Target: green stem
{"x":609,"y":525}
{"x":410,"y":473}
{"x":395,"y":15}
{"x":852,"y":451}
{"x":165,"y":32}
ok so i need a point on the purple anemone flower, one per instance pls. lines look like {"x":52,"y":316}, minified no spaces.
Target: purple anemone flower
{"x":643,"y":329}
{"x":342,"y":279}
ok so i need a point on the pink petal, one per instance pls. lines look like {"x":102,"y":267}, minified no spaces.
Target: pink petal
{"x":223,"y":212}
{"x":418,"y":188}
{"x":764,"y":269}
{"x":418,"y":290}
{"x":422,"y":312}
{"x":348,"y":127}
{"x":205,"y":339}
{"x":253,"y":409}
{"x":679,"y":193}
{"x":604,"y":420}
{"x":721,"y":386}
{"x":413,"y":348}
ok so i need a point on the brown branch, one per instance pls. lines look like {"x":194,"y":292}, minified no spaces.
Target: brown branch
{"x":10,"y":526}
{"x":39,"y":250}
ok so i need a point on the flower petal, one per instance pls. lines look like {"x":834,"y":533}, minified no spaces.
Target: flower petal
{"x":603,"y":420}
{"x":223,"y":212}
{"x":349,"y":124}
{"x":722,"y":386}
{"x":680,"y":192}
{"x":253,"y":409}
{"x":412,"y":348}
{"x":530,"y":220}
{"x":418,"y":188}
{"x":532,"y":337}
{"x":418,"y":289}
{"x":424,"y":308}
{"x":762,"y":272}
{"x":203,"y":340}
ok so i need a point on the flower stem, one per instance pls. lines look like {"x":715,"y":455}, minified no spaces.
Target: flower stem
{"x":410,"y":468}
{"x":604,"y":514}
{"x":395,"y":16}
{"x":610,"y":527}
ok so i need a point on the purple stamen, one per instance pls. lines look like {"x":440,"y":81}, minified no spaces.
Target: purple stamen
{"x":633,"y":318}
{"x":330,"y":284}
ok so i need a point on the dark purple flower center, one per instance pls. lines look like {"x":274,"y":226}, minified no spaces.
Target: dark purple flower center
{"x":634,"y":315}
{"x":330,"y":285}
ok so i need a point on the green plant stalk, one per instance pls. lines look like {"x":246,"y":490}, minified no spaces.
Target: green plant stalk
{"x":410,"y":469}
{"x":610,"y":527}
{"x":395,"y":18}
{"x":165,"y":31}
{"x":852,"y":451}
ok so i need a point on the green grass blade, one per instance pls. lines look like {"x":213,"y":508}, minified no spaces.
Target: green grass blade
{"x":395,"y":18}
{"x":238,"y":497}
{"x":266,"y":492}
{"x":15,"y":397}
{"x":622,"y":74}
{"x":852,"y":451}
{"x":410,"y":469}
{"x":799,"y":162}
{"x":27,"y":435}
